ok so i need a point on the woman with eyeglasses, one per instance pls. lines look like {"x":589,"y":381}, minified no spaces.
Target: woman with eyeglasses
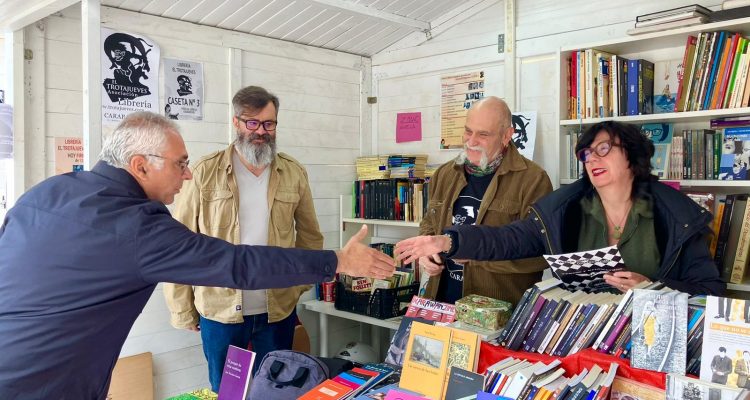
{"x":660,"y":232}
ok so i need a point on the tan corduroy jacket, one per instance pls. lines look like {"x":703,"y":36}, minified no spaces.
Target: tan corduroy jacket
{"x":209,"y":204}
{"x":517,"y":184}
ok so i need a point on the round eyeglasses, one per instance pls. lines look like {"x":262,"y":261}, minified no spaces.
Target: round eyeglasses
{"x":601,"y":150}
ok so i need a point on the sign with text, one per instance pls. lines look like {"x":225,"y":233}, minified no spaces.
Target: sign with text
{"x":183,"y":89}
{"x":130,"y":75}
{"x":457,"y":94}
{"x":408,"y":127}
{"x":68,"y":154}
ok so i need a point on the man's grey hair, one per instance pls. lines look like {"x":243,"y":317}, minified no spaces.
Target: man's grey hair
{"x":140,"y":133}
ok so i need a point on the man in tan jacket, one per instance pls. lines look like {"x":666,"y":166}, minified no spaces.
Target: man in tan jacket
{"x":245,"y":194}
{"x":489,"y":183}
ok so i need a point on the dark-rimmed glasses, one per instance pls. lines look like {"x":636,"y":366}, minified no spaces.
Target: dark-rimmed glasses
{"x":601,"y":150}
{"x":182,"y":164}
{"x":255,"y":124}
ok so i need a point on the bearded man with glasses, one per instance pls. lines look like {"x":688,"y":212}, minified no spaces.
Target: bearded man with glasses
{"x":248,"y":194}
{"x":660,"y":232}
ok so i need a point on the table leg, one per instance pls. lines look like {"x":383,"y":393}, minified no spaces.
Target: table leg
{"x":323,"y":331}
{"x":375,"y":340}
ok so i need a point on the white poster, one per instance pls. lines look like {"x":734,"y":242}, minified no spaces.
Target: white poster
{"x":130,"y":75}
{"x":183,"y":90}
{"x":524,"y":123}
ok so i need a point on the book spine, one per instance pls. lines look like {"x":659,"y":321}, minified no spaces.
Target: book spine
{"x":516,"y":315}
{"x":684,"y":77}
{"x":647,"y":82}
{"x":743,"y":247}
{"x":612,"y":318}
{"x":632,"y":87}
{"x":541,"y":320}
{"x":516,"y":344}
{"x":621,"y":323}
{"x":544,"y":329}
{"x":723,"y":233}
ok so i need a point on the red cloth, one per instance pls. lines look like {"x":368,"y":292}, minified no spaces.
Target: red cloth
{"x":489,"y":354}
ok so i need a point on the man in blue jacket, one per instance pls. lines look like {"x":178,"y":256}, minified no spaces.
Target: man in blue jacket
{"x":81,"y":253}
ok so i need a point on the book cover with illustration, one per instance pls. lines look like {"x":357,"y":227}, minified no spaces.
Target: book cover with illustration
{"x":397,"y":348}
{"x":666,"y":83}
{"x":426,"y":361}
{"x":659,"y":330}
{"x":661,"y":135}
{"x":735,"y":154}
{"x":726,"y":342}
{"x":628,"y":389}
{"x":685,"y":388}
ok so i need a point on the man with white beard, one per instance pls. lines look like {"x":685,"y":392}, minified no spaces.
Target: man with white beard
{"x":488,"y":183}
{"x":245,"y":194}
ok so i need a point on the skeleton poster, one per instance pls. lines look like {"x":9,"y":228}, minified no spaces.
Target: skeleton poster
{"x":130,"y":75}
{"x":183,"y":90}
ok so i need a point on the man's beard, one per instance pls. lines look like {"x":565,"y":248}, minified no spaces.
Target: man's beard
{"x":258,"y":155}
{"x":462,"y":157}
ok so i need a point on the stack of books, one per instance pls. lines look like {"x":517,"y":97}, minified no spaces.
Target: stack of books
{"x":670,"y":19}
{"x":349,"y":384}
{"x":407,"y":166}
{"x":372,"y":167}
{"x":519,"y":379}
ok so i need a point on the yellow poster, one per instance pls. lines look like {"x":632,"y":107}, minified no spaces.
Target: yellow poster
{"x":68,"y":154}
{"x":458,"y":93}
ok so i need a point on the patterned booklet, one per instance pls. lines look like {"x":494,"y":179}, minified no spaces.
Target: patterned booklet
{"x":585,"y":270}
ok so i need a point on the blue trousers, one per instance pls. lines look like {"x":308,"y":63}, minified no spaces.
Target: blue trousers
{"x":265,"y":337}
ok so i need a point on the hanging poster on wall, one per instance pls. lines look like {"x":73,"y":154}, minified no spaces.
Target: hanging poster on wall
{"x":524,"y":125}
{"x":130,"y":75}
{"x":457,"y":94}
{"x":68,"y":154}
{"x":183,"y":90}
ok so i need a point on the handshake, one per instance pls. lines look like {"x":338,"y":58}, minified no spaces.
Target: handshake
{"x":358,"y":259}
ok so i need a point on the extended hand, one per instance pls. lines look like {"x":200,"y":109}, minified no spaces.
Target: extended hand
{"x":432,"y":265}
{"x":412,"y":249}
{"x":358,"y":259}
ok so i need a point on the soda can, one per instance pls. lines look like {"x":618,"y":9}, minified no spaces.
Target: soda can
{"x":329,"y":294}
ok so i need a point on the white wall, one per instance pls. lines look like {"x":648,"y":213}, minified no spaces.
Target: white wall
{"x":3,"y":67}
{"x":406,"y":75}
{"x":407,"y":78}
{"x":319,"y":90}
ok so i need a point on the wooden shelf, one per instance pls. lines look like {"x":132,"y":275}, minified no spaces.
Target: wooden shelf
{"x":687,"y":116}
{"x":382,"y":222}
{"x":693,"y":183}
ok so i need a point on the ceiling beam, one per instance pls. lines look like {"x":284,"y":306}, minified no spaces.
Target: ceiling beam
{"x":26,"y":13}
{"x":411,"y":23}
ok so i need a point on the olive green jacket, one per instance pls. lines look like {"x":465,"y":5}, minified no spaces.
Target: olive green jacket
{"x":517,"y":184}
{"x":209,"y":204}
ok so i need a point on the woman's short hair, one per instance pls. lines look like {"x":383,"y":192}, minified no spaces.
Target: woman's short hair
{"x":638,"y":148}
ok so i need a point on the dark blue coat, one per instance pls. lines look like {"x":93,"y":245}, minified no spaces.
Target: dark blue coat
{"x":553,"y":225}
{"x":80,"y":255}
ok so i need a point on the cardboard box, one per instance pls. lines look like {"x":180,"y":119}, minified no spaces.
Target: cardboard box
{"x":483,"y":312}
{"x":133,"y":378}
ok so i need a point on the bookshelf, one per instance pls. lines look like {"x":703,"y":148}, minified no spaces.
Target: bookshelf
{"x":655,"y":47}
{"x":380,"y":230}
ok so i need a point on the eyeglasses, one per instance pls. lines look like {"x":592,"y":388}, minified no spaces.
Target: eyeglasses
{"x":254,"y":124}
{"x":601,"y":150}
{"x":182,"y":164}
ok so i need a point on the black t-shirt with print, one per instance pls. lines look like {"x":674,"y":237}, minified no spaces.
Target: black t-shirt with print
{"x":465,"y":211}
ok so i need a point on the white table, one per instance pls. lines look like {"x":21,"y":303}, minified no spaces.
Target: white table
{"x":324,"y":309}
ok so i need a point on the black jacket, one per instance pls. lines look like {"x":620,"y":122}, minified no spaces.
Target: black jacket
{"x":553,"y":223}
{"x":80,"y":255}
